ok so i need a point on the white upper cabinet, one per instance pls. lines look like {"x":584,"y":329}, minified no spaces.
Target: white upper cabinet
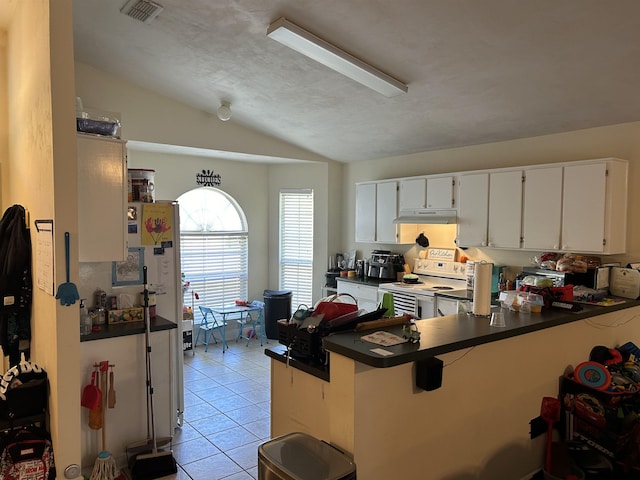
{"x":578,"y":207}
{"x":376,"y":209}
{"x":542,"y":214}
{"x":432,"y":192}
{"x":594,"y":207}
{"x":413,"y":193}
{"x":473,"y":203}
{"x":102,"y":197}
{"x":505,"y":209}
{"x":365,"y":212}
{"x":440,"y":194}
{"x":386,"y":211}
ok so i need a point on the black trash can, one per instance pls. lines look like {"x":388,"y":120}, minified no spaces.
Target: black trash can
{"x":298,"y":456}
{"x":277,"y":305}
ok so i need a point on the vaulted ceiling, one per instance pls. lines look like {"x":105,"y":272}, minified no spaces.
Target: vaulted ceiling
{"x":478,"y":71}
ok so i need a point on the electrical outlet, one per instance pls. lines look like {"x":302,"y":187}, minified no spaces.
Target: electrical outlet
{"x":538,"y":427}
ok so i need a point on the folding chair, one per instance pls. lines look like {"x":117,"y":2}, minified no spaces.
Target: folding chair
{"x":208,"y":325}
{"x":257,"y":324}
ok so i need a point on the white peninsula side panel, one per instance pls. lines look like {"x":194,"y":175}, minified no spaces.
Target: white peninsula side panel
{"x":474,"y":426}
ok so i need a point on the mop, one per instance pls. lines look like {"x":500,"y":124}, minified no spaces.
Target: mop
{"x":156,"y":464}
{"x":105,"y":467}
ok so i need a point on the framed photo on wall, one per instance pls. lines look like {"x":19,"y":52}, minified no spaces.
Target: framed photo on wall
{"x":129,"y":272}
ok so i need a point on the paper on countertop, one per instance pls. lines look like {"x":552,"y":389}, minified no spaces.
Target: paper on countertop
{"x":385,"y":339}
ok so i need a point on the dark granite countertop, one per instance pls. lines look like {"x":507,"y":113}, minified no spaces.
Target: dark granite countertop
{"x":441,"y":335}
{"x":128,"y":328}
{"x":279,"y":353}
{"x":367,"y":281}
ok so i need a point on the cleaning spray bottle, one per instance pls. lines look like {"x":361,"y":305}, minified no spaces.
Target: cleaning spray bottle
{"x":85,"y":319}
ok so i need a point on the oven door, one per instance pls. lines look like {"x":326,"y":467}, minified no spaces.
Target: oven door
{"x":447,"y":306}
{"x":419,"y":306}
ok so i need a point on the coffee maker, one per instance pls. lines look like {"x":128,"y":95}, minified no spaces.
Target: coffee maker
{"x":385,"y":265}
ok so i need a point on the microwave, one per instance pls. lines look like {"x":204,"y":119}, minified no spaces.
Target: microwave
{"x":596,"y":278}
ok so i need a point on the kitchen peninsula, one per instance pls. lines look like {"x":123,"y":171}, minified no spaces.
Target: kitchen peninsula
{"x":476,"y":425}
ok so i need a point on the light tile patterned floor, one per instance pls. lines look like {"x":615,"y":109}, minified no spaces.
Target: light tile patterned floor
{"x":227,"y":412}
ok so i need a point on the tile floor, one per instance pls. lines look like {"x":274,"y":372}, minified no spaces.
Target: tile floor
{"x":227,"y":412}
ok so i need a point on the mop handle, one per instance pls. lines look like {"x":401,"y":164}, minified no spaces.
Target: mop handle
{"x":148,"y":356}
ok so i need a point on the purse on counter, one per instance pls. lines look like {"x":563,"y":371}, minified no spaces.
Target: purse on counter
{"x":333,"y":306}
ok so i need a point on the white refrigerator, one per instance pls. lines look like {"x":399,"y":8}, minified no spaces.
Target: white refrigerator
{"x":158,"y":250}
{"x":153,"y":231}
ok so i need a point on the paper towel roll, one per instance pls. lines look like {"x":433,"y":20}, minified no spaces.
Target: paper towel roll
{"x":482,"y":288}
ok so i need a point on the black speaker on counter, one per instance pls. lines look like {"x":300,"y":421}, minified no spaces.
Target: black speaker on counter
{"x":429,"y":373}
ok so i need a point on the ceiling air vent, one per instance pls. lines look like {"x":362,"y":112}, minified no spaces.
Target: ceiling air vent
{"x":142,"y":10}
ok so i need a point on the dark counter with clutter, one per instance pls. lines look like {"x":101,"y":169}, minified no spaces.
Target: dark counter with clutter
{"x":440,"y":335}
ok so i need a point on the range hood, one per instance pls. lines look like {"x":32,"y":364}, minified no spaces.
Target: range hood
{"x":427,"y":216}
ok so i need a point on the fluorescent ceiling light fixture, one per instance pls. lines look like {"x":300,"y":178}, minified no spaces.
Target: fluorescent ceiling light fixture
{"x":306,"y":43}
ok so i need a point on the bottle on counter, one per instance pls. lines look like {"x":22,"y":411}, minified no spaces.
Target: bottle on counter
{"x":502,"y":283}
{"x":85,"y":319}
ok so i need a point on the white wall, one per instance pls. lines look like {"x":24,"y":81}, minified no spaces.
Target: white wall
{"x":150,"y":117}
{"x":621,"y":141}
{"x":39,"y":172}
{"x":326,"y":220}
{"x":246,"y":183}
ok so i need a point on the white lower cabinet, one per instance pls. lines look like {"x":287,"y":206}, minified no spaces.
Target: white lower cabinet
{"x":293,"y":395}
{"x":366,"y":295}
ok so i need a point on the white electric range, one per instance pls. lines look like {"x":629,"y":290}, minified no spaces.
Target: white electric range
{"x":420,"y":299}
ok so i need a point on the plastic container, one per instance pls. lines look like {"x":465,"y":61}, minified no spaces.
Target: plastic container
{"x":530,"y":302}
{"x":141,"y":186}
{"x":97,"y":122}
{"x":298,"y":456}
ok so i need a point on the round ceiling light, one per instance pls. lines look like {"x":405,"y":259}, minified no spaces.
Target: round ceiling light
{"x":224,"y":111}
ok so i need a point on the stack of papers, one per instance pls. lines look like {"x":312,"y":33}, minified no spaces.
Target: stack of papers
{"x":385,"y":339}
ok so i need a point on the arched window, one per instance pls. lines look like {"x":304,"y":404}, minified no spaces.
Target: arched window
{"x":213,"y":244}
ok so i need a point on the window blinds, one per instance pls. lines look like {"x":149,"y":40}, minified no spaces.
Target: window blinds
{"x":216,"y":266}
{"x":296,"y":244}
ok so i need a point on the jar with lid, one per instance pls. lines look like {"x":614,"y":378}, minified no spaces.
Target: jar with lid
{"x":100,"y":297}
{"x":99,"y":317}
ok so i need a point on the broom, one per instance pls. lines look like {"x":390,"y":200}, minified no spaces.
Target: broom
{"x":148,"y":466}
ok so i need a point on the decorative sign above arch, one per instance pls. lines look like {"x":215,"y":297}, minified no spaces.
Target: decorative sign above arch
{"x":208,"y":178}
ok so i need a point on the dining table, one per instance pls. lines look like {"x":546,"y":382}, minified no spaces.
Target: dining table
{"x":225,"y":312}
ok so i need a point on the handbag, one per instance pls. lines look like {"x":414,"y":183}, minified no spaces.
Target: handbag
{"x":331,"y":307}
